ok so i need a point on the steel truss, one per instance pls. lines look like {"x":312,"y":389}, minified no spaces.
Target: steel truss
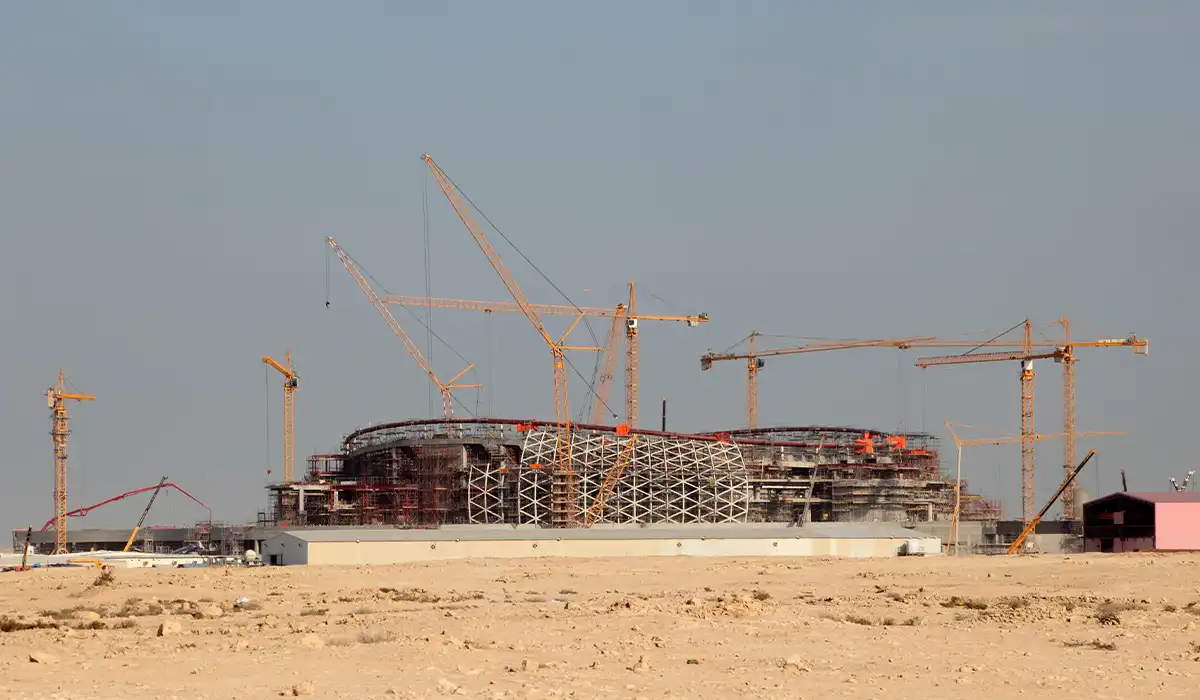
{"x":669,"y":480}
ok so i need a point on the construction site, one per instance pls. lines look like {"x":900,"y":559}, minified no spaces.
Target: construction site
{"x":566,"y":351}
{"x":488,"y":471}
{"x":565,"y":473}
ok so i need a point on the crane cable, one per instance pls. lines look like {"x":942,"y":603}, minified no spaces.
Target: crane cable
{"x":267,"y":403}
{"x":415,"y":317}
{"x":586,"y":322}
{"x":428,"y":286}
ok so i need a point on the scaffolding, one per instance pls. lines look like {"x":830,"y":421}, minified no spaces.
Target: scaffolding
{"x":425,"y":473}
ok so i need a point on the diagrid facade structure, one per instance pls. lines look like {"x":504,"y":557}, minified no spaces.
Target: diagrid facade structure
{"x":665,"y":479}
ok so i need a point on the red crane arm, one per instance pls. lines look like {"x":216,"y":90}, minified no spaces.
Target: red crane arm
{"x":80,"y":512}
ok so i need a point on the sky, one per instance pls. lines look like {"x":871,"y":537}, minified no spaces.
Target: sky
{"x":169,"y":174}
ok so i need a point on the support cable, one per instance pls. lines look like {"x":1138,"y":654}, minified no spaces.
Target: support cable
{"x":586,"y":322}
{"x":417,"y":318}
{"x":995,"y":337}
{"x":267,"y":397}
{"x":428,"y":286}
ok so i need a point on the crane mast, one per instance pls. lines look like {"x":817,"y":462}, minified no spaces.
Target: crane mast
{"x":631,"y":360}
{"x":56,"y":401}
{"x":291,"y":381}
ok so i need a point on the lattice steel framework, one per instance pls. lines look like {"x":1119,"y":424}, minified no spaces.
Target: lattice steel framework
{"x":500,"y":471}
{"x":485,"y":493}
{"x":667,"y":480}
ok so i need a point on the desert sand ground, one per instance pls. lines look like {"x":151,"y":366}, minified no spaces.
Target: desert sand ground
{"x":1084,"y":626}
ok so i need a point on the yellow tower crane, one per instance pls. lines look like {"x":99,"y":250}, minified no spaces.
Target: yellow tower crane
{"x":564,"y":496}
{"x":754,"y":361}
{"x":291,"y":382}
{"x":1140,"y":346}
{"x":620,"y":315}
{"x":56,"y":400}
{"x":1059,"y":351}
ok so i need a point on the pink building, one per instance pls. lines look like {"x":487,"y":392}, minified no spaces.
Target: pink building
{"x":1142,"y":522}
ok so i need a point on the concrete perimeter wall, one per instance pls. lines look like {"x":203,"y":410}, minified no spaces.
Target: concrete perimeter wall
{"x":289,"y":549}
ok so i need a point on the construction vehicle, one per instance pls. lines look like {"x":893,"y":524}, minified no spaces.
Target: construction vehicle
{"x":1018,"y":543}
{"x":142,"y":520}
{"x":952,"y":540}
{"x":1062,"y":352}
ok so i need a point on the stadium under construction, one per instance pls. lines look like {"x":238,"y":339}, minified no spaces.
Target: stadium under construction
{"x":426,"y":473}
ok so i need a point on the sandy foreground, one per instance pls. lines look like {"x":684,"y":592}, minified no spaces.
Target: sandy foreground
{"x":1085,"y":626}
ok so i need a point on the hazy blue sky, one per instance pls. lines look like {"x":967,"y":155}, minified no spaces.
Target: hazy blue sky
{"x":170,"y":172}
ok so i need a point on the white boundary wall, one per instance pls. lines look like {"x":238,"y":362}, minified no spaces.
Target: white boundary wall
{"x":292,"y":549}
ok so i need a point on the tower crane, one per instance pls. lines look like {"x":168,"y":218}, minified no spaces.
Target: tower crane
{"x":1026,"y":355}
{"x":444,"y":387}
{"x":291,"y":381}
{"x":565,"y":505}
{"x":1140,"y":347}
{"x":56,"y":400}
{"x":754,"y":361}
{"x":1063,"y":349}
{"x":952,"y":541}
{"x":620,"y":315}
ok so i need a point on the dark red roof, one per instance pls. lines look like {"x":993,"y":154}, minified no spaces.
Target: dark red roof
{"x":1156,"y":496}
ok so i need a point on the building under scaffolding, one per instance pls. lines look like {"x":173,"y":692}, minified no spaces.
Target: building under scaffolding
{"x":850,"y":475}
{"x":425,"y":473}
